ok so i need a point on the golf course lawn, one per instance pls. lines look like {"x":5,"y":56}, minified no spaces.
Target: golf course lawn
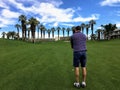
{"x":48,"y":65}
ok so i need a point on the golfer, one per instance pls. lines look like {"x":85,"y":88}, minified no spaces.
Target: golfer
{"x":78,"y":43}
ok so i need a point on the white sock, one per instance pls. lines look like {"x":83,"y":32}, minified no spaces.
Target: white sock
{"x":77,"y":83}
{"x":83,"y":83}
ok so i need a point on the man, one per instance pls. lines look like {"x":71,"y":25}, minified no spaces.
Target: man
{"x":78,"y":43}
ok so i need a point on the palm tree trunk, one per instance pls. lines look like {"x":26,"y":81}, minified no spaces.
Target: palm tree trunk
{"x":38,"y":33}
{"x":41,"y":33}
{"x":52,"y":34}
{"x":63,"y":33}
{"x":44,"y":34}
{"x":58,"y":34}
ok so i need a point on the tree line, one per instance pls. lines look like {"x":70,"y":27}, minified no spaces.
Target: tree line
{"x":30,"y":26}
{"x":105,"y":31}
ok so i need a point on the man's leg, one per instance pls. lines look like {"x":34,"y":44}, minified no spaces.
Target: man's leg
{"x":83,"y":66}
{"x":77,"y":84}
{"x":76,"y":69}
{"x":84,"y":73}
{"x":77,"y":74}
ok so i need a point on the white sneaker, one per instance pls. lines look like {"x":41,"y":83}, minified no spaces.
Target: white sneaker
{"x":77,"y":85}
{"x":83,"y":84}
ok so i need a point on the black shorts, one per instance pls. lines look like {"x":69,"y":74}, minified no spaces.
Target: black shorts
{"x":79,"y":57}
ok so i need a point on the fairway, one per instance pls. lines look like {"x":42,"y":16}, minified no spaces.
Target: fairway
{"x":48,"y":65}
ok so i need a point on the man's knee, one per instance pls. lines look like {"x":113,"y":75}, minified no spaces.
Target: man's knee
{"x":77,"y":71}
{"x":84,"y":70}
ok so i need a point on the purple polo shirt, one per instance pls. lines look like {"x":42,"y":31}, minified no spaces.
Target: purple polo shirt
{"x":78,"y":42}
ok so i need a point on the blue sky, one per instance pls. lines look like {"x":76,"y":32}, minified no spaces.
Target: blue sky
{"x":63,"y":13}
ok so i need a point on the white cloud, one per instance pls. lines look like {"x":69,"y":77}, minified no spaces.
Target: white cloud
{"x":46,"y":11}
{"x":82,"y":19}
{"x":118,"y":13}
{"x":110,"y":3}
{"x":54,"y":2}
{"x":55,"y":24}
{"x":78,"y":8}
{"x":6,"y":21}
{"x":99,"y":27}
{"x":118,"y":24}
{"x":65,"y":24}
{"x":9,"y":14}
{"x":7,"y":17}
{"x":3,"y":5}
{"x":50,"y":13}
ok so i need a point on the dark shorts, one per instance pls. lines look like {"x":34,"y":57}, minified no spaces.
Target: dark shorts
{"x":79,"y":57}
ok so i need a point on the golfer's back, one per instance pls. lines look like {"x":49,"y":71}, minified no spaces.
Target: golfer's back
{"x":78,"y":41}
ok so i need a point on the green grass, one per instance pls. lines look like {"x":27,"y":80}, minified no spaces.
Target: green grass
{"x":48,"y":65}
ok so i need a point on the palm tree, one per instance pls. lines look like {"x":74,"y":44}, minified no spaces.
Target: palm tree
{"x":13,"y":34}
{"x":93,"y":36}
{"x":73,"y":29}
{"x":38,"y":27}
{"x":98,"y":34}
{"x":18,"y":27}
{"x":44,"y":29}
{"x":28,"y":29}
{"x":87,"y":26}
{"x":8,"y":35}
{"x":41,"y":29}
{"x":92,"y":22}
{"x":109,"y":29}
{"x":58,"y":30}
{"x":104,"y":31}
{"x":103,"y":34}
{"x":82,"y":26}
{"x":23,"y":19}
{"x":63,"y":29}
{"x":33,"y":23}
{"x":3,"y":35}
{"x":48,"y":31}
{"x":68,"y":30}
{"x":53,"y":30}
